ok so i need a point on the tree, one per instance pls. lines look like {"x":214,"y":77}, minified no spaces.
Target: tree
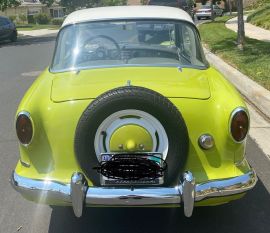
{"x":241,"y":25}
{"x":23,"y":18}
{"x":72,"y":5}
{"x":113,"y":2}
{"x":47,"y":2}
{"x":213,"y":2}
{"x":4,"y":4}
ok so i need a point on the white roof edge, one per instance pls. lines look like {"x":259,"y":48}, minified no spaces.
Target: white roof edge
{"x":127,"y":12}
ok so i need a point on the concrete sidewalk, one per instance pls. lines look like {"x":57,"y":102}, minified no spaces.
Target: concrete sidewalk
{"x":251,"y":31}
{"x":39,"y":32}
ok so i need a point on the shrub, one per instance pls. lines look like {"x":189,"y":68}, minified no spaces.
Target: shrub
{"x":260,"y":17}
{"x":57,"y":21}
{"x":23,"y":18}
{"x":42,"y":18}
{"x":12,"y":17}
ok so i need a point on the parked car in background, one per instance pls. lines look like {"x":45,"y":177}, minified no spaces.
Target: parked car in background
{"x":205,"y":11}
{"x":186,"y":5}
{"x":8,"y":29}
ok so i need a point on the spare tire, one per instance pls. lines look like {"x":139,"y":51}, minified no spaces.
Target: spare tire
{"x":132,"y":104}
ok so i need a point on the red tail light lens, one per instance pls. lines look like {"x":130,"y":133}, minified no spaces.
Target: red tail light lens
{"x":239,"y":124}
{"x":24,"y":128}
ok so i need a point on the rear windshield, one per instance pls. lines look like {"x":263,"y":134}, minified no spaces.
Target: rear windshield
{"x":127,"y":43}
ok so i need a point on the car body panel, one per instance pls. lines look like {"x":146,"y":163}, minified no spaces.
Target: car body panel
{"x":51,"y":154}
{"x":7,"y":28}
{"x":169,"y":81}
{"x":56,"y":101}
{"x":206,"y":13}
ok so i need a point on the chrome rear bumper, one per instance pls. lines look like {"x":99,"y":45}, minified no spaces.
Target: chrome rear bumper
{"x":78,"y":193}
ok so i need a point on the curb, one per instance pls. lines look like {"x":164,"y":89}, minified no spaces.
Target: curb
{"x":255,"y":93}
{"x":38,"y":32}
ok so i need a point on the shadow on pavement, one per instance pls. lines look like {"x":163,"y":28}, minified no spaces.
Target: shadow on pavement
{"x":27,"y":40}
{"x":250,"y":214}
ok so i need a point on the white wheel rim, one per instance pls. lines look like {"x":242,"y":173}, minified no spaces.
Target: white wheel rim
{"x":141,"y":118}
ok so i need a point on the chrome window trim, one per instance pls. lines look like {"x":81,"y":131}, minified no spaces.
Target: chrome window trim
{"x":28,"y":115}
{"x":236,"y":110}
{"x":128,"y":65}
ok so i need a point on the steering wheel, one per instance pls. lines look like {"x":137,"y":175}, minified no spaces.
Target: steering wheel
{"x":102,"y":50}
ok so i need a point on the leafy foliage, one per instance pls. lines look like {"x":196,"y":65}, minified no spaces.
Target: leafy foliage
{"x":57,"y":21}
{"x":47,"y":2}
{"x":252,"y":61}
{"x":258,"y":4}
{"x":261,"y":17}
{"x":4,"y":4}
{"x":112,"y":2}
{"x":23,"y":18}
{"x":12,"y":17}
{"x":42,"y":18}
{"x":72,"y":5}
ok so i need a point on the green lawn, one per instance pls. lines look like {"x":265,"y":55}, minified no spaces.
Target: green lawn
{"x":30,"y":27}
{"x":257,"y":4}
{"x":254,"y":61}
{"x":261,"y":17}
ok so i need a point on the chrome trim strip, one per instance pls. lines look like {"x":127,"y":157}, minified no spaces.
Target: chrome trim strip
{"x":132,"y":197}
{"x":158,"y":65}
{"x":51,"y":192}
{"x":24,"y":163}
{"x":226,"y":187}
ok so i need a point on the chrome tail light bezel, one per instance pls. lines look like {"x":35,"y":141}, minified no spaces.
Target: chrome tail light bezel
{"x":233,"y":113}
{"x":28,"y":115}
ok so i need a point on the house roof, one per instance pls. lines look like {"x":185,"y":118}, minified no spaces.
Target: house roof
{"x":127,"y":12}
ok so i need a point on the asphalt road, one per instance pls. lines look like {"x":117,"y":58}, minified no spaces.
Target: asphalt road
{"x":19,"y":65}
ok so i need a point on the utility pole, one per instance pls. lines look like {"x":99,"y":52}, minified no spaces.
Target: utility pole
{"x":241,"y":25}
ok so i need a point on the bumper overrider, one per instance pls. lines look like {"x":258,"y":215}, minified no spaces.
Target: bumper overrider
{"x":78,"y":193}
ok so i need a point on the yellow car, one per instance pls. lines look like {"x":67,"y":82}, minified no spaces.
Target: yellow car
{"x":129,"y":113}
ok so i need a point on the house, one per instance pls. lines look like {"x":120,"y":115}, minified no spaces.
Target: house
{"x":29,"y":8}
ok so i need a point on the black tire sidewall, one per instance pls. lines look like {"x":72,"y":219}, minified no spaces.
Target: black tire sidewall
{"x":139,"y":99}
{"x":13,"y":37}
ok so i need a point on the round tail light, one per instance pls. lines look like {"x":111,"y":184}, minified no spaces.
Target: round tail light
{"x":239,"y":124}
{"x":24,"y":128}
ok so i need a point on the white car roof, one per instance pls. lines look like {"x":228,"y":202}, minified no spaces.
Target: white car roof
{"x":127,"y":12}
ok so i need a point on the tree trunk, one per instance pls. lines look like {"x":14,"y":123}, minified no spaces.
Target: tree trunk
{"x":212,"y":11}
{"x":241,"y":25}
{"x":230,"y":6}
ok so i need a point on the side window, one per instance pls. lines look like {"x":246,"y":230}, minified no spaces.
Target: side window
{"x":190,"y":46}
{"x":186,"y":42}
